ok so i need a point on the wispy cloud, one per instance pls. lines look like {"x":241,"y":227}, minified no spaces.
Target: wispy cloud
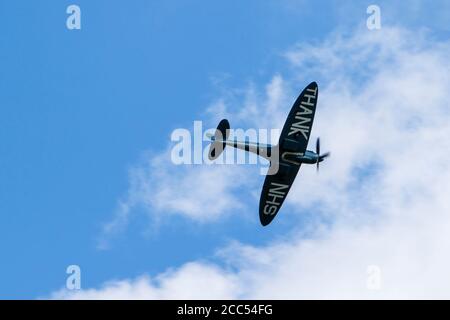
{"x":201,"y":193}
{"x":384,"y":113}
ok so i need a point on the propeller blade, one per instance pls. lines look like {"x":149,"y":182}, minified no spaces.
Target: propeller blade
{"x":320,"y":157}
{"x":325,"y":155}
{"x":318,"y":146}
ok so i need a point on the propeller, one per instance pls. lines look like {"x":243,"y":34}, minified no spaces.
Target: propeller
{"x":320,"y":157}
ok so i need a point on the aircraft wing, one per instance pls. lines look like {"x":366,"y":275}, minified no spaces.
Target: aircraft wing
{"x":293,"y":142}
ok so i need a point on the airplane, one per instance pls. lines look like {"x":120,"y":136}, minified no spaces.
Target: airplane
{"x":287,"y":155}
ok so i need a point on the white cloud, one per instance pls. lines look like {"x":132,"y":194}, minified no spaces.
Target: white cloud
{"x":249,"y":108}
{"x":385,"y":189}
{"x":202,"y":193}
{"x":188,"y":282}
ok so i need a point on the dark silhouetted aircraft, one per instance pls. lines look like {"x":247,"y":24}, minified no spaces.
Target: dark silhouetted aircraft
{"x":287,"y":156}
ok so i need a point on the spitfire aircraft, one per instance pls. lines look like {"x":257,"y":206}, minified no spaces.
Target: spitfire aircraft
{"x":287,"y":155}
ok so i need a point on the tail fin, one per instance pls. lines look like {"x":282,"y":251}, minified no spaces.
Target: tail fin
{"x":218,"y":140}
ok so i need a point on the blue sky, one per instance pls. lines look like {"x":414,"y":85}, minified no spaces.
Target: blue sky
{"x":79,"y":108}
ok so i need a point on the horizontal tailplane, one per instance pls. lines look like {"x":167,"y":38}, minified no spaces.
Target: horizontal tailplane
{"x":218,"y":140}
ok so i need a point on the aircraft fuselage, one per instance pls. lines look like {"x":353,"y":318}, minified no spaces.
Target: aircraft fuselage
{"x":266,"y":151}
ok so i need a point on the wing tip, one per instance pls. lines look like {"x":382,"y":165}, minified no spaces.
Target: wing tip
{"x":313,"y":84}
{"x":265,"y":219}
